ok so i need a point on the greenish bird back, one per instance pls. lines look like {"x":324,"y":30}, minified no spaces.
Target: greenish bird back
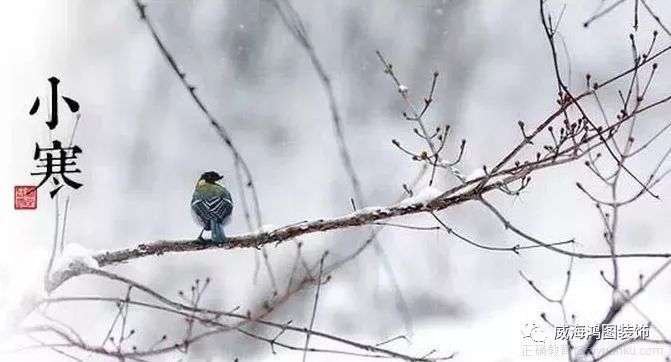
{"x":207,"y":190}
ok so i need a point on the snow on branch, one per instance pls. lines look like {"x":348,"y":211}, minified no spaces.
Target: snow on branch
{"x":359,"y":218}
{"x":73,"y":261}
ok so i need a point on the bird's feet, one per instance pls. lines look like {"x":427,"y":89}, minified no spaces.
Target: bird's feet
{"x":213,"y":240}
{"x":200,"y":239}
{"x":216,"y":238}
{"x":219,"y":239}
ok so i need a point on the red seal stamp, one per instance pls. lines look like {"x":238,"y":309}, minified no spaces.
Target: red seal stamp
{"x":25,"y":197}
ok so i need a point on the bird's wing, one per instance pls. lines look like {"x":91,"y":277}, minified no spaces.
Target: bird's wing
{"x":214,"y":207}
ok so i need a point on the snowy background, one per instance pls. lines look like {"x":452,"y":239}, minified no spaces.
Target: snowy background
{"x":145,"y":143}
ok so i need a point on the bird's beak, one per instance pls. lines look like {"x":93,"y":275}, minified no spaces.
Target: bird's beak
{"x":219,"y":177}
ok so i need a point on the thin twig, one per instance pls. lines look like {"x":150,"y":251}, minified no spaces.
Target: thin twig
{"x":314,"y":307}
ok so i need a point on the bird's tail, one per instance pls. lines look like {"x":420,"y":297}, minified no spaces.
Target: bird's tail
{"x":218,"y":235}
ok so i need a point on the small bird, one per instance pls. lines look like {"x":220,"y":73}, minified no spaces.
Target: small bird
{"x":211,"y":205}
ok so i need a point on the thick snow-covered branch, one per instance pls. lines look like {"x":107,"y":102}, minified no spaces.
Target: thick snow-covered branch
{"x":362,"y":217}
{"x":80,"y":262}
